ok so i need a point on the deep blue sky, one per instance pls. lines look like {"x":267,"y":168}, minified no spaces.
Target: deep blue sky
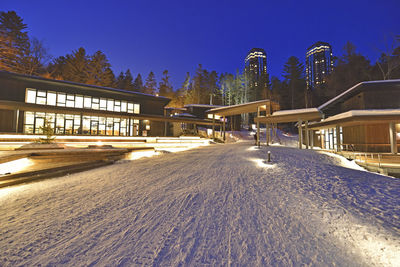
{"x":145,"y":35}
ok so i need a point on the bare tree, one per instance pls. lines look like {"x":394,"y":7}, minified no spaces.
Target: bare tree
{"x":390,"y":60}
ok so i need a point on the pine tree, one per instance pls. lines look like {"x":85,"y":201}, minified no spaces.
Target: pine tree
{"x":138,"y":84}
{"x":99,"y":70}
{"x":76,"y":66}
{"x":165,"y":87}
{"x":128,"y":81}
{"x":150,"y":86}
{"x":14,"y":42}
{"x":120,"y":80}
{"x":293,"y":72}
{"x":351,"y":69}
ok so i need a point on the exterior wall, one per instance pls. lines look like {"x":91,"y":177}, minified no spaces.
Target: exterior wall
{"x":157,"y":128}
{"x":6,"y":121}
{"x":355,"y":102}
{"x":77,"y":119}
{"x":367,"y":138}
{"x":385,"y":98}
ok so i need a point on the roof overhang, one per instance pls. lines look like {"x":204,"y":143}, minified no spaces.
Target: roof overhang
{"x":294,"y":115}
{"x":357,"y":117}
{"x":251,"y":107}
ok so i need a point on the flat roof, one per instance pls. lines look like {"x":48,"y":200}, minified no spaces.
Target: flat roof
{"x":293,"y":115}
{"x":7,"y":74}
{"x":360,"y":116}
{"x":249,"y":107}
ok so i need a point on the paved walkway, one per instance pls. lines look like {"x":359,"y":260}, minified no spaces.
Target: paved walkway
{"x":211,"y":206}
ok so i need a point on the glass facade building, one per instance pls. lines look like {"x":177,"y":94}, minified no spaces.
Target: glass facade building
{"x":256,"y":73}
{"x":29,"y":104}
{"x":319,"y":63}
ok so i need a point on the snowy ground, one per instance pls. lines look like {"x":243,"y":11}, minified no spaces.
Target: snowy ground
{"x":211,"y":206}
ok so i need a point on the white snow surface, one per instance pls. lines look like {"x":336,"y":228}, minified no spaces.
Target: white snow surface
{"x":218,"y":205}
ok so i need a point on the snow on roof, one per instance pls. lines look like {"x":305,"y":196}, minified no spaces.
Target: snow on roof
{"x":239,"y":105}
{"x":203,"y":106}
{"x":172,"y":108}
{"x":365,"y":112}
{"x":353,"y":88}
{"x":184,"y":115}
{"x":294,"y":111}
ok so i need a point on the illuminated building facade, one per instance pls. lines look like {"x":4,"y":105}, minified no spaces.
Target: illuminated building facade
{"x":319,"y":63}
{"x":256,"y":73}
{"x":29,"y":103}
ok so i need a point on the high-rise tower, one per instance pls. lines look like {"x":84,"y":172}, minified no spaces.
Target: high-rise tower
{"x":256,"y":73}
{"x":319,"y":63}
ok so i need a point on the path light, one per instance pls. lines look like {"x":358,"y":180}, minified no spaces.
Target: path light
{"x":269,"y":156}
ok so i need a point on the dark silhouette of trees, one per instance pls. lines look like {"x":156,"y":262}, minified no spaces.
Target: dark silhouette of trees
{"x":293,"y":72}
{"x":150,"y":87}
{"x":165,"y":87}
{"x":138,"y":84}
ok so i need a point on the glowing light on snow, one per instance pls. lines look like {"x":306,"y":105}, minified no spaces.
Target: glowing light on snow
{"x":4,"y":192}
{"x":380,"y":251}
{"x":344,"y":162}
{"x":252,"y":148}
{"x":141,"y":154}
{"x":370,"y":242}
{"x":15,"y":166}
{"x":262,"y":163}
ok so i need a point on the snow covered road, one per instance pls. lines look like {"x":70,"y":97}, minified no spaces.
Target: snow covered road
{"x":211,"y":206}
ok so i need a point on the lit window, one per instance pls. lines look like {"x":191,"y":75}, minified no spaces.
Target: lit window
{"x":29,"y":122}
{"x":70,"y":101}
{"x":103,"y":104}
{"x":117,"y":106}
{"x":41,"y":97}
{"x":79,"y":101}
{"x":110,"y":104}
{"x":87,"y":101}
{"x":130,"y":107}
{"x":51,"y":98}
{"x":30,"y":96}
{"x":61,"y":98}
{"x":95,"y":103}
{"x":123,"y":106}
{"x":86,"y":125}
{"x":136,"y":108}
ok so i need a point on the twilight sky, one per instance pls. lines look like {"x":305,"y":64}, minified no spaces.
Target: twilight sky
{"x":145,"y":35}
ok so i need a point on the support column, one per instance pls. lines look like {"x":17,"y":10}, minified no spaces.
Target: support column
{"x":213,"y":127}
{"x":165,"y":123}
{"x":16,"y":120}
{"x":267,"y":133}
{"x":338,"y":139}
{"x":258,"y":125}
{"x":312,"y":139}
{"x":392,"y":137}
{"x":223,"y":127}
{"x":300,"y":130}
{"x":307,"y":135}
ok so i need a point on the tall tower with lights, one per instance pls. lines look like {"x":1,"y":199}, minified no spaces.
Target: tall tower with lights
{"x":319,"y":63}
{"x":256,"y":73}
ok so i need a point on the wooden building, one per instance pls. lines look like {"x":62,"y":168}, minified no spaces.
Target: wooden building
{"x":364,"y":118}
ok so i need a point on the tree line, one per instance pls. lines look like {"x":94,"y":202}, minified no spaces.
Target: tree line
{"x":27,"y":55}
